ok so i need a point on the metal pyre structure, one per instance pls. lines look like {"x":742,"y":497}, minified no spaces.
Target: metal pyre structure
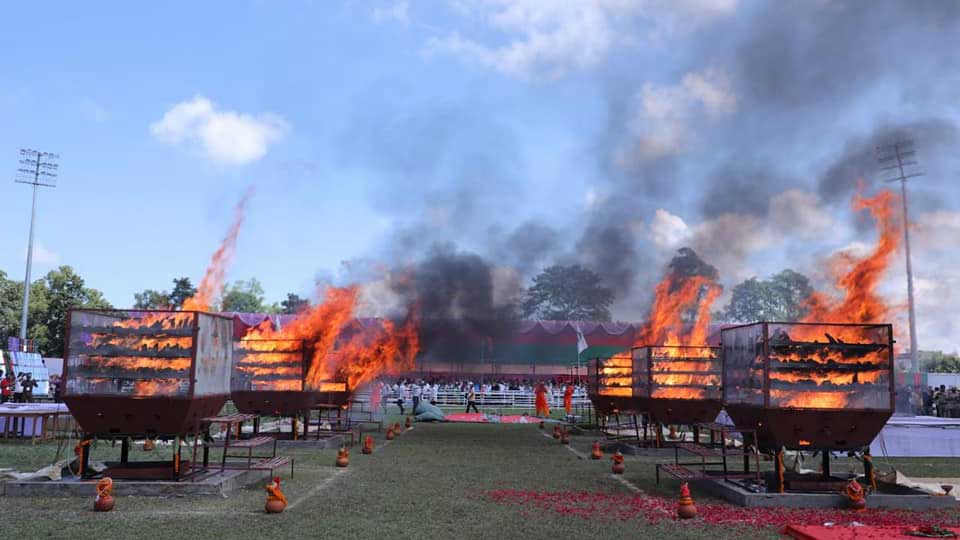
{"x":146,"y":374}
{"x":810,"y":386}
{"x":610,"y":384}
{"x":269,"y":378}
{"x":679,"y":384}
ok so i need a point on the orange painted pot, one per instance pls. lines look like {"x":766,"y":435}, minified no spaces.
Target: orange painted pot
{"x":103,"y":504}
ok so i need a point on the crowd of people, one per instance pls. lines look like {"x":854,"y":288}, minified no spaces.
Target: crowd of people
{"x":941,"y":401}
{"x":17,"y":388}
{"x":408,"y":394}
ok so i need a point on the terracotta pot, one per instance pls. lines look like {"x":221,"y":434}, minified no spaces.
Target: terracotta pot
{"x":618,"y":468}
{"x":857,"y":504}
{"x":389,"y":433}
{"x":564,"y":438}
{"x":686,"y":510}
{"x":343,"y":458}
{"x":556,"y":432}
{"x":103,"y":504}
{"x":409,"y":422}
{"x":397,"y":430}
{"x":275,"y":506}
{"x":596,"y":452}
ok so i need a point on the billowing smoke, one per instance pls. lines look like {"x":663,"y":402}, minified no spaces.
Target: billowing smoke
{"x":858,"y":159}
{"x":457,"y":296}
{"x":742,"y":187}
{"x":751,"y":142}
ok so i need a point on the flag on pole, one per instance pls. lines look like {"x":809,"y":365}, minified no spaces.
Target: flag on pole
{"x":581,"y":341}
{"x":581,"y":346}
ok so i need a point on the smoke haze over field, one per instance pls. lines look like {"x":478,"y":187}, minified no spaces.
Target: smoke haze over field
{"x":747,"y":149}
{"x":454,"y":149}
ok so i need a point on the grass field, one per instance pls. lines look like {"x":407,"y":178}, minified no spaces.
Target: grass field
{"x":435,"y":481}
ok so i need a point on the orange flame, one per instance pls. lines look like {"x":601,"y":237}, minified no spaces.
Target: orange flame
{"x":347,"y":354}
{"x":616,"y":375}
{"x":675,"y":296}
{"x":212,"y":282}
{"x":860,"y":302}
{"x":858,"y":279}
{"x":810,"y":400}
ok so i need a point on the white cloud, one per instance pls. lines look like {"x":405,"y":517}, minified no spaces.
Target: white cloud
{"x":395,"y":12}
{"x":42,"y":255}
{"x":549,"y":38}
{"x":226,"y":137}
{"x":662,"y":115}
{"x":667,"y":231}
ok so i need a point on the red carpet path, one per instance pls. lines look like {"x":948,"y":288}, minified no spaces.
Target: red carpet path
{"x":820,"y":532}
{"x":491,"y":418}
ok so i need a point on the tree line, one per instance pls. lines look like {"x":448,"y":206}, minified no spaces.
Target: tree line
{"x":50,"y":298}
{"x":577,"y":293}
{"x":559,"y":292}
{"x":245,"y":296}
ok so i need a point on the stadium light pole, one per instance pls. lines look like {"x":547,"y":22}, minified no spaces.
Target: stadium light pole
{"x":895,"y":157}
{"x":36,"y":169}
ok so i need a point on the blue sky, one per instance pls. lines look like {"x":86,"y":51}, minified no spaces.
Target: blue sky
{"x":458,"y":121}
{"x":132,"y":212}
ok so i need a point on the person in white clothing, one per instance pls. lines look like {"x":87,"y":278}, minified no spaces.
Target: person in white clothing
{"x":416,"y":392}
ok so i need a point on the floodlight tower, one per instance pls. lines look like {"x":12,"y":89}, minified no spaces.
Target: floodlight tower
{"x":36,"y":169}
{"x":895,"y":157}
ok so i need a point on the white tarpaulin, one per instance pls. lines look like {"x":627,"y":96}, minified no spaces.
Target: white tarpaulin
{"x":918,"y":436}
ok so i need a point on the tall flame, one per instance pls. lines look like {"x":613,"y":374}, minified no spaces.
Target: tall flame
{"x":343,"y":349}
{"x":212,"y":281}
{"x":820,"y":356}
{"x":676,"y":296}
{"x":860,"y":302}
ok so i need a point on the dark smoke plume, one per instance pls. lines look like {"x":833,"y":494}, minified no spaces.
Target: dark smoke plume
{"x":455,"y":295}
{"x":857,"y":162}
{"x":741,"y":187}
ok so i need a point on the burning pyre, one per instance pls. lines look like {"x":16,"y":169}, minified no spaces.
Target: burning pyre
{"x":119,"y":361}
{"x":610,"y":384}
{"x":346,"y":352}
{"x":671,"y":358}
{"x":827,"y":382}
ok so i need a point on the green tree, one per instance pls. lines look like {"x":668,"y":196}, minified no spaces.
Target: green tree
{"x":65,"y":290}
{"x":151,"y":299}
{"x":568,"y":293}
{"x":50,"y":299}
{"x":781,"y":298}
{"x":11,"y":299}
{"x":938,"y":362}
{"x":182,"y":289}
{"x":244,"y":296}
{"x":293,"y":304}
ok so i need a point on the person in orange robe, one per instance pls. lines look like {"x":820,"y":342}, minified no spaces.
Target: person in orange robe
{"x":543,"y":409}
{"x":568,"y":399}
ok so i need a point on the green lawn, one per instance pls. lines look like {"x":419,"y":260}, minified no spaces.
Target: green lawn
{"x":434,"y":481}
